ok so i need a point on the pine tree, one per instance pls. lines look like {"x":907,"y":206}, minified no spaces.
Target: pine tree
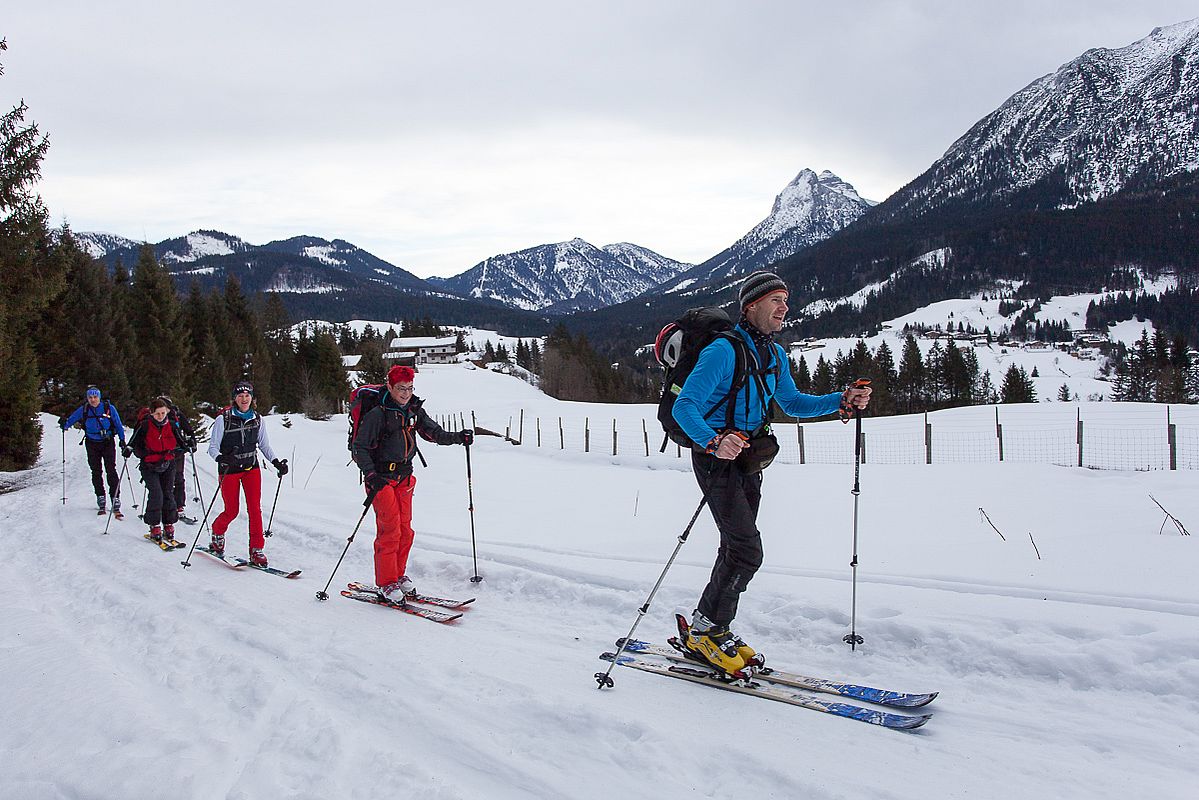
{"x":803,"y":376}
{"x":281,"y":350}
{"x":822,"y":378}
{"x":157,"y":320}
{"x":29,"y":280}
{"x":1017,"y":387}
{"x":882,"y":398}
{"x":1063,"y":394}
{"x":371,"y":367}
{"x":75,"y":345}
{"x":909,"y":382}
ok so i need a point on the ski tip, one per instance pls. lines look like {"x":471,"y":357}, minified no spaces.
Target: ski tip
{"x":910,"y":723}
{"x":913,"y":700}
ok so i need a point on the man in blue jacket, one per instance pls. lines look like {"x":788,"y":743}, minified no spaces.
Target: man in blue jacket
{"x":101,"y":427}
{"x":725,"y":461}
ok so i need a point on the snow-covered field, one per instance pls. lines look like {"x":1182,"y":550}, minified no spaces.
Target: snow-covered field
{"x":1068,"y":674}
{"x":1054,"y":367}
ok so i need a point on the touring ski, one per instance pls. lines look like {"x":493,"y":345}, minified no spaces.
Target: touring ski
{"x":407,"y":608}
{"x":295,"y":573}
{"x":865,"y":693}
{"x":417,"y":598}
{"x":711,"y":677}
{"x":228,"y":562}
{"x":165,"y":545}
{"x":188,"y":520}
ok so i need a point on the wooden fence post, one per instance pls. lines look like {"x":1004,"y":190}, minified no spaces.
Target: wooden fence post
{"x":1172,"y":440}
{"x":999,"y":433}
{"x":928,"y":440}
{"x":799,"y":434}
{"x":1079,"y":413}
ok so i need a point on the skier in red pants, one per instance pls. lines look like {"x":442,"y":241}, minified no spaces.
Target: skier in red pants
{"x":236,"y":436}
{"x":384,"y":446}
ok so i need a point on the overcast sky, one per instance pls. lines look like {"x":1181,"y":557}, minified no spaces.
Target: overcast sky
{"x":437,"y":134}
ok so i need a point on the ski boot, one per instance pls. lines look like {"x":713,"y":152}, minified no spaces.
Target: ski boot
{"x":258,"y":557}
{"x":101,"y":508}
{"x":116,"y":507}
{"x":168,"y":532}
{"x":394,"y":592}
{"x":217,"y":545}
{"x":714,"y":645}
{"x":752,"y":657}
{"x":407,"y":586}
{"x":156,"y":534}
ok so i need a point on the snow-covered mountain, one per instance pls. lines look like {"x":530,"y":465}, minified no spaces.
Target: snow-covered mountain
{"x":565,"y":277}
{"x":197,"y":245}
{"x":98,"y":245}
{"x":342,"y":255}
{"x":809,"y":209}
{"x":1101,"y":121}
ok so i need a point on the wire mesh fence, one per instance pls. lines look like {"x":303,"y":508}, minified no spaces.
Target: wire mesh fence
{"x":1111,"y":438}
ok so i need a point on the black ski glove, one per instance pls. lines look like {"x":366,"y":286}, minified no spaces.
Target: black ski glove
{"x":281,"y":465}
{"x":224,"y":459}
{"x":374,"y":481}
{"x":62,"y":423}
{"x":126,"y":451}
{"x":468,"y":437}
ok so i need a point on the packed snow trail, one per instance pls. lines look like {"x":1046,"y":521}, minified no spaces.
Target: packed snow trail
{"x":124,"y":673}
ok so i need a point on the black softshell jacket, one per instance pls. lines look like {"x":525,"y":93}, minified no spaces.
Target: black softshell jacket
{"x":386,"y":439}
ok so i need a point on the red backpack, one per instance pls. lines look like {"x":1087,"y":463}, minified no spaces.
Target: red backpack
{"x":362,"y":400}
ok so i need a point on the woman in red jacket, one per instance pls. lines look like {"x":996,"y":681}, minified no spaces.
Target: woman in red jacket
{"x":157,"y":441}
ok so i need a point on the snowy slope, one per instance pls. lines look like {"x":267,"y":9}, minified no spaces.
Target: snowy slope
{"x":1080,"y":133}
{"x":566,"y":276}
{"x":809,"y":209}
{"x":1054,"y":367}
{"x":1067,"y":676}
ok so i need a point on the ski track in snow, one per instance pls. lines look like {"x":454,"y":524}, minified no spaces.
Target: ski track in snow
{"x":126,"y":674}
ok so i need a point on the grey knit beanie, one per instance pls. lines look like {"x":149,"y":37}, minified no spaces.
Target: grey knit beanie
{"x":758,"y":285}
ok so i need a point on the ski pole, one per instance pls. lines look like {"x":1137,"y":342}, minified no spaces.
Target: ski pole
{"x":146,"y":488}
{"x":278,"y":486}
{"x":64,"y":466}
{"x":322,"y":595}
{"x":195,"y":479}
{"x":129,"y":478}
{"x":187,"y":561}
{"x":604,"y":679}
{"x":852,"y":638}
{"x":113,"y":506}
{"x":470,"y":493}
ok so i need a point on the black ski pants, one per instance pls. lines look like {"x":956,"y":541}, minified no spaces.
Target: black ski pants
{"x":160,"y":486}
{"x":103,"y":451}
{"x":733,"y":498}
{"x":180,"y":486}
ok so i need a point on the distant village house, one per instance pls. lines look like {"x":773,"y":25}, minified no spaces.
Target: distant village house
{"x":416,"y":350}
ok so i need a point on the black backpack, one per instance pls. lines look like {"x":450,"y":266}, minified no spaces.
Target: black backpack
{"x":677,"y":348}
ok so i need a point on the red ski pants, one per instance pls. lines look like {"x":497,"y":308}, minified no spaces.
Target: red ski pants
{"x":249,"y":481}
{"x":393,"y":529}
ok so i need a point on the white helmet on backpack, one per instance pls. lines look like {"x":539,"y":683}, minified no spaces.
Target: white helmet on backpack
{"x":669,"y":345}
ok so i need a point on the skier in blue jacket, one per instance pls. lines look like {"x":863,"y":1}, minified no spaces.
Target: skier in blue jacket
{"x":728,"y":461}
{"x":102,"y":427}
